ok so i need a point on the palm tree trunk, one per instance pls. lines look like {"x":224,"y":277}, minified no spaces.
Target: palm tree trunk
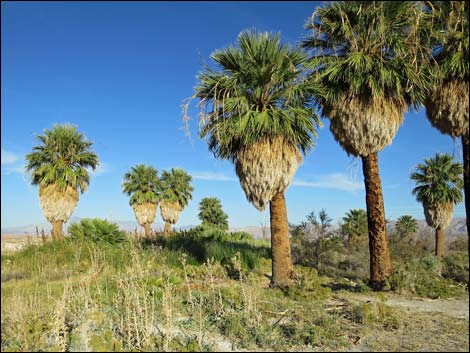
{"x":148,"y":232}
{"x":282,"y":269}
{"x":440,"y":244}
{"x":380,"y":261}
{"x":57,"y":230}
{"x":167,"y":229}
{"x":466,"y":179}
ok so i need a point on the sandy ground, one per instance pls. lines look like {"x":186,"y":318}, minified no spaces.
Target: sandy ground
{"x":16,"y":242}
{"x":457,"y":308}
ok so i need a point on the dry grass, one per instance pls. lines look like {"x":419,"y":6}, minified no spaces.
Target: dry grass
{"x":140,"y":297}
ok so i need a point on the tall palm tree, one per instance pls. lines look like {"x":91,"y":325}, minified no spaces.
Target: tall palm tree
{"x":211,"y":213}
{"x":362,"y":54}
{"x":439,"y":186}
{"x":447,"y":105}
{"x":143,"y":184}
{"x":355,"y":225}
{"x":176,"y":193}
{"x":255,"y":113}
{"x":406,"y":226}
{"x":58,"y":165}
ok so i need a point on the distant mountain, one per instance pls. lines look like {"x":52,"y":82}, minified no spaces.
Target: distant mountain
{"x":128,"y":226}
{"x":456,"y":227}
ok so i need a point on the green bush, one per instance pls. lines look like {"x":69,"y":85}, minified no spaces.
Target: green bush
{"x":97,"y":230}
{"x":241,"y":236}
{"x":456,"y":267}
{"x":205,"y":243}
{"x":425,"y":277}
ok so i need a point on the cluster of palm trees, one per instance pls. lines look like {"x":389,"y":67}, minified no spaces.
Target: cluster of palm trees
{"x":363,"y":66}
{"x":58,"y":165}
{"x":173,"y":190}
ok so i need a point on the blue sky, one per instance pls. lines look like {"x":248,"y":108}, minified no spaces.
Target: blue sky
{"x":121,"y":70}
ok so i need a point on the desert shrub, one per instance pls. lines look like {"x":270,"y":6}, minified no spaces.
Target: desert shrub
{"x":97,"y":230}
{"x":203,"y":247}
{"x":241,"y":236}
{"x":456,"y":267}
{"x":424,"y":277}
{"x":459,"y":243}
{"x":371,"y":313}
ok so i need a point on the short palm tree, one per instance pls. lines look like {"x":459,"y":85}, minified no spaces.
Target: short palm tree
{"x":406,"y":226}
{"x":255,"y":113}
{"x":211,"y":213}
{"x":354,"y":225}
{"x":439,"y":186}
{"x":447,"y":105}
{"x":58,"y":166}
{"x":143,"y":184}
{"x":362,"y":54}
{"x":176,"y":193}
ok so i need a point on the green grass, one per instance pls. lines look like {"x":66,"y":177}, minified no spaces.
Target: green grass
{"x":185,"y":293}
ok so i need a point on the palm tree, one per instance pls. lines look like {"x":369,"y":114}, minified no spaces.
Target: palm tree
{"x":355,"y":225}
{"x":406,"y":226}
{"x":447,"y":105}
{"x":58,"y":165}
{"x":255,"y":113}
{"x":143,"y":184}
{"x":362,"y":54}
{"x":176,"y":193}
{"x":439,"y":186}
{"x":211,"y":213}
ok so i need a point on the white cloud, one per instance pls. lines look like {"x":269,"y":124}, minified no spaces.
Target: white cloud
{"x":8,"y":157}
{"x":11,"y":170}
{"x":336,"y":181}
{"x":212,"y":176}
{"x":101,"y":169}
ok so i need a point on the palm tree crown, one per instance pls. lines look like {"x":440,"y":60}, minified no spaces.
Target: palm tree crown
{"x":406,"y":225}
{"x":362,"y":55}
{"x":62,"y":159}
{"x":355,"y":224}
{"x":143,"y":184}
{"x":176,"y":186}
{"x":450,"y":38}
{"x":256,"y":93}
{"x":210,"y":212}
{"x":438,"y":180}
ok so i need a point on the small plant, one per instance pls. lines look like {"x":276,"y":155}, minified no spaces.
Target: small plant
{"x":97,"y":230}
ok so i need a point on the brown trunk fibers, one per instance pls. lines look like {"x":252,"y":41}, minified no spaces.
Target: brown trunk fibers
{"x":167,"y":229}
{"x":440,"y":245}
{"x":148,"y":231}
{"x":57,"y":230}
{"x":380,"y":261}
{"x":282,"y":269}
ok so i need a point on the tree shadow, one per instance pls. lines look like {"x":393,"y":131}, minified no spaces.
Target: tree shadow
{"x":202,"y":249}
{"x":336,"y":287}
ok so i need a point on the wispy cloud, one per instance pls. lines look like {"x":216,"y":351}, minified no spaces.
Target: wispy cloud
{"x":8,"y":157}
{"x":336,"y":181}
{"x":100,"y":170}
{"x":212,"y":176}
{"x":12,"y":170}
